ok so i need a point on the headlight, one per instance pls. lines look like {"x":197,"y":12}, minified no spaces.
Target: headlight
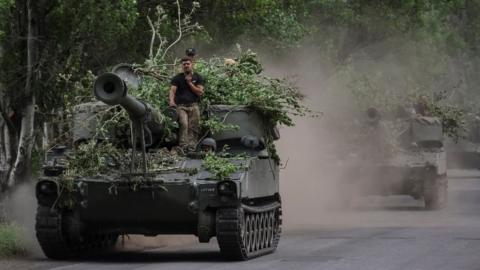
{"x":227,"y":188}
{"x":47,"y":188}
{"x":250,"y":141}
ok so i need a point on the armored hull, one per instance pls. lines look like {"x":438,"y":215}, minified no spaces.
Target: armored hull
{"x":85,"y":215}
{"x":175,"y":202}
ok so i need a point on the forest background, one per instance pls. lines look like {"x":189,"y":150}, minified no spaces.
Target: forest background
{"x":50,"y":51}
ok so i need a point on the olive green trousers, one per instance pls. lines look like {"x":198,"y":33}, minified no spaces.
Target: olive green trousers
{"x":189,"y":122}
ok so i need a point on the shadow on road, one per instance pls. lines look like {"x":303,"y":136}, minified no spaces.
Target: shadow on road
{"x":153,"y":256}
{"x":162,"y":256}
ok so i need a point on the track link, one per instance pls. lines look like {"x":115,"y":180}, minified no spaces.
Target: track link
{"x":49,"y":234}
{"x":50,"y":231}
{"x":247,"y":232}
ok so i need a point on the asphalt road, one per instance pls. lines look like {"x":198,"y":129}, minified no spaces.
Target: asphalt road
{"x":391,"y":233}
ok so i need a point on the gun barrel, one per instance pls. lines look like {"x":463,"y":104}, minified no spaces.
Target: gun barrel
{"x":112,"y":90}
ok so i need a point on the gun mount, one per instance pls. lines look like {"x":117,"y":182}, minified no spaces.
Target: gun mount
{"x":145,"y":120}
{"x":112,"y":90}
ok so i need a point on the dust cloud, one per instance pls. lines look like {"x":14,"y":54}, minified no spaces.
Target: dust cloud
{"x":20,"y":208}
{"x":308,"y":182}
{"x":312,"y":197}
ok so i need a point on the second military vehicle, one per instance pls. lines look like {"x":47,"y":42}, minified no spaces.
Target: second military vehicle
{"x":84,"y":215}
{"x":397,"y":155}
{"x":465,"y":152}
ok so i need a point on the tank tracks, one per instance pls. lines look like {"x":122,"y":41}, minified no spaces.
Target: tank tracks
{"x":51,"y":235}
{"x":247,"y":232}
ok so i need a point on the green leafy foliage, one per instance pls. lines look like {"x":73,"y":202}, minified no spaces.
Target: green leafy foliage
{"x":275,"y":25}
{"x":5,"y":6}
{"x":80,"y":33}
{"x":453,"y":117}
{"x":75,"y":35}
{"x":219,"y":165}
{"x":161,"y":160}
{"x":92,"y":159}
{"x":242,"y":84}
{"x":215,"y":125}
{"x":277,"y":100}
{"x":281,"y":28}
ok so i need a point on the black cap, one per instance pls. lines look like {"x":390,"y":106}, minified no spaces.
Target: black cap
{"x":190,"y":52}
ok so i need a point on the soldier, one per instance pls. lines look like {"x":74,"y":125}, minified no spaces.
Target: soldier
{"x":420,"y":107}
{"x":191,"y":52}
{"x":185,"y":92}
{"x":229,"y":63}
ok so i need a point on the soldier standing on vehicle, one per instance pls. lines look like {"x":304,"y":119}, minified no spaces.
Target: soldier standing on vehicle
{"x":185,"y":92}
{"x":421,"y":106}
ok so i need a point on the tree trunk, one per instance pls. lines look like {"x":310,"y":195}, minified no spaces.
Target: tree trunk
{"x":3,"y":152}
{"x":22,"y":163}
{"x":25,"y":144}
{"x":7,"y":144}
{"x":2,"y":144}
{"x":47,"y":135}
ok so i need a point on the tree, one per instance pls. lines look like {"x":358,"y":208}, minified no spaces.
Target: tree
{"x":64,"y":40}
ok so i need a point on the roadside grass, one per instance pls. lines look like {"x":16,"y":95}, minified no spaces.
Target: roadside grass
{"x":11,"y":243}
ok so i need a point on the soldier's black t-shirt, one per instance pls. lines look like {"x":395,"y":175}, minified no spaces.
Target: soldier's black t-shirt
{"x":185,"y":95}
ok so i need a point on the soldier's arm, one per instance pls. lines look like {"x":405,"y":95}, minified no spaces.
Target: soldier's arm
{"x":171,"y":96}
{"x":196,"y":89}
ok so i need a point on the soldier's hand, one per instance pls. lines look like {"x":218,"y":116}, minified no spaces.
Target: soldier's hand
{"x":188,"y":78}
